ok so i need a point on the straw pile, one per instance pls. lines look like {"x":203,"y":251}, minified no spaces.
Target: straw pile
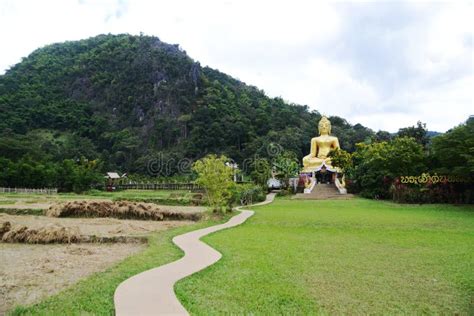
{"x":120,"y":209}
{"x":57,"y":234}
{"x":44,"y":235}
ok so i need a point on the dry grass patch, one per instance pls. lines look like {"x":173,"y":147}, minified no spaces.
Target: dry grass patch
{"x":31,"y":273}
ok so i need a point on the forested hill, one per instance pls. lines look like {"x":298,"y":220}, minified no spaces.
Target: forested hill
{"x":125,"y":99}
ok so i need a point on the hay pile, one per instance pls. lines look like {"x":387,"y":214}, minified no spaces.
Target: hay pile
{"x":57,"y":234}
{"x":45,"y":235}
{"x":120,"y":209}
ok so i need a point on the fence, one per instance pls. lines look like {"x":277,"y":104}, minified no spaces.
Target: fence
{"x":29,"y":191}
{"x":159,"y":186}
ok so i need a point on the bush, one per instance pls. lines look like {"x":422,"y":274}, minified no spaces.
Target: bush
{"x":245,"y":194}
{"x":432,"y":193}
{"x":284,"y":192}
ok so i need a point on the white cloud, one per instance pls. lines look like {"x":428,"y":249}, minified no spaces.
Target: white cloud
{"x":385,"y":65}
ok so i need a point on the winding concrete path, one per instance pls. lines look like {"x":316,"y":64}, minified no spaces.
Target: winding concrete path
{"x":152,"y":292}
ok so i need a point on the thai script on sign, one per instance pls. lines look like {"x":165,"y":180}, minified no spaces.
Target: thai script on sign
{"x":427,"y":178}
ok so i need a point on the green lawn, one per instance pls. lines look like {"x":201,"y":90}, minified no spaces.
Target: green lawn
{"x":340,"y":257}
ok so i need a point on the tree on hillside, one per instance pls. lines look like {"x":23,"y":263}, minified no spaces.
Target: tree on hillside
{"x":418,"y":132}
{"x":382,"y":136}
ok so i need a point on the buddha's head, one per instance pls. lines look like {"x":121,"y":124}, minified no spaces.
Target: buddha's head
{"x":324,"y":126}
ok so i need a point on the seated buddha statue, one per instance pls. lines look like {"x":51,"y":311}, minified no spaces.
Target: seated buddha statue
{"x":321,"y":146}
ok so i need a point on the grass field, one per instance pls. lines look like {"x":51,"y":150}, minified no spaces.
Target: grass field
{"x":340,"y":257}
{"x":32,"y":198}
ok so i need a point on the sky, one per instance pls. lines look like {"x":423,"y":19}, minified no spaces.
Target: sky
{"x":384,"y":64}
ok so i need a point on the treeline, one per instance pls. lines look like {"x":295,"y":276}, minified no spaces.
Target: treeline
{"x":66,"y":176}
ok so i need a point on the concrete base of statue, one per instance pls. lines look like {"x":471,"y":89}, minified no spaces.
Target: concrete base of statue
{"x":327,"y":169}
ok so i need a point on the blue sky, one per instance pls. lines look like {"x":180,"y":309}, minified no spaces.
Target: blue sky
{"x":383,"y":64}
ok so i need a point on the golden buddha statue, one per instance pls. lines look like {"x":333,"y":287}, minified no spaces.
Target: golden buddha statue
{"x":321,"y":146}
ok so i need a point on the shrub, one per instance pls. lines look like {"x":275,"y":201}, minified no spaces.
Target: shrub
{"x":245,"y":194}
{"x":284,"y":192}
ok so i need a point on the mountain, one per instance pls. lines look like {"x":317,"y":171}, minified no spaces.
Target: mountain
{"x":128,"y":100}
{"x":432,"y":134}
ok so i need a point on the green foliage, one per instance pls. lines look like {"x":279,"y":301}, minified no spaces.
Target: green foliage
{"x":376,"y":165}
{"x":78,"y":176}
{"x":418,"y":132}
{"x":453,"y":152}
{"x":216,"y":178}
{"x":286,"y":166}
{"x":341,"y":159}
{"x":247,"y":193}
{"x":456,"y":193}
{"x":382,"y":136}
{"x":260,"y":171}
{"x":67,"y":176}
{"x":451,"y":155}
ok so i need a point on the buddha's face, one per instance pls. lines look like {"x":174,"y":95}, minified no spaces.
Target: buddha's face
{"x":324,"y":126}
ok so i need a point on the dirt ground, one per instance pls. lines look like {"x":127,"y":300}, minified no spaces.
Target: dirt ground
{"x":55,"y":268}
{"x":59,"y":266}
{"x":103,"y":227}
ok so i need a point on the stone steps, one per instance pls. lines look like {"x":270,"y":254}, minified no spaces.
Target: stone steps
{"x":323,"y":191}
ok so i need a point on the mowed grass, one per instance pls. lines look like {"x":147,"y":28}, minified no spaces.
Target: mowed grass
{"x":340,"y":257}
{"x":94,"y":295}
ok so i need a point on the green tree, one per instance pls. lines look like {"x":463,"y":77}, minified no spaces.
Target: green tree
{"x":418,"y":132}
{"x":260,"y":171}
{"x":382,"y":136}
{"x":78,"y":176}
{"x":376,"y":165}
{"x":216,"y":178}
{"x":341,"y":159}
{"x":453,"y":152}
{"x":286,"y":166}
